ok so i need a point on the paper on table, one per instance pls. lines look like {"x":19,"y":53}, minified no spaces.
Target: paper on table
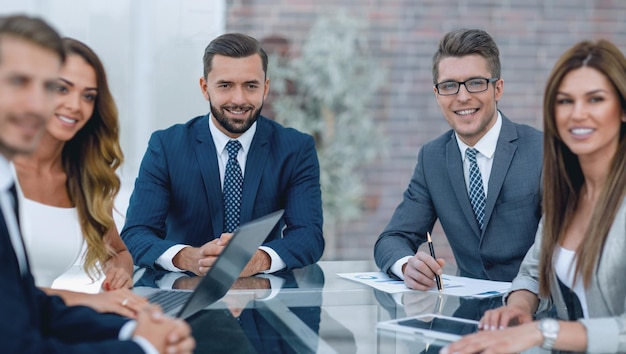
{"x":452,"y":285}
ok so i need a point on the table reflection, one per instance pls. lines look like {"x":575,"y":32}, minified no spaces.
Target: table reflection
{"x":269,"y":313}
{"x":419,"y":302}
{"x":415,"y":303}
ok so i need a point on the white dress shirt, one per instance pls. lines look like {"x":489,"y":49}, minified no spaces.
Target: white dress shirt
{"x":486,"y":147}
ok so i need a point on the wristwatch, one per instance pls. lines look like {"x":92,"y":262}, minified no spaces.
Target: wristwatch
{"x":549,"y":328}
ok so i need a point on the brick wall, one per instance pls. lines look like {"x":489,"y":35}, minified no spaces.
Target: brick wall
{"x":403,"y":35}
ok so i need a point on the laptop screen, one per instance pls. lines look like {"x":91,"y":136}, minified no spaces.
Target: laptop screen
{"x":231,"y":262}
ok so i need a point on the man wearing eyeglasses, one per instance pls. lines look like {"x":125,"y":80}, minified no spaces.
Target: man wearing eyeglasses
{"x":482,"y":179}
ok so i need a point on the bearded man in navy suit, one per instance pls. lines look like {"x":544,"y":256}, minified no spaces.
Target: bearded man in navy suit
{"x":176,"y":219}
{"x":31,"y":55}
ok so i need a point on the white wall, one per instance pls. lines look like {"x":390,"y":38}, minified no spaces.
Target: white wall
{"x":152,"y":51}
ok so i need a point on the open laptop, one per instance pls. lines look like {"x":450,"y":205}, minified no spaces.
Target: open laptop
{"x":225,"y":271}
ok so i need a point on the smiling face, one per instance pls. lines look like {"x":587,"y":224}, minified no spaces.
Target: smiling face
{"x":236,"y":89}
{"x":588,"y":114}
{"x":471,"y":115}
{"x":27,"y":81}
{"x":76,"y":97}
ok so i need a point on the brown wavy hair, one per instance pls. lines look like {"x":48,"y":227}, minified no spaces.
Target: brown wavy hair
{"x":90,"y":160}
{"x":563,"y":177}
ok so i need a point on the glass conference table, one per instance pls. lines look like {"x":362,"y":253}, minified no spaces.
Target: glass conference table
{"x":310,"y":310}
{"x":313,"y":310}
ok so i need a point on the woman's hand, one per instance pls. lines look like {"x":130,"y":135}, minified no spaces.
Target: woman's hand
{"x":122,"y":302}
{"x":509,"y":340}
{"x":116,"y":278}
{"x":504,"y":316}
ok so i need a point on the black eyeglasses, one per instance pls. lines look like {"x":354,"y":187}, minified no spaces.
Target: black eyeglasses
{"x":449,"y":88}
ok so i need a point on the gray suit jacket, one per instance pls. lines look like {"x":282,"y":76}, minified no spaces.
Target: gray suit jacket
{"x":438,"y":191}
{"x":606,"y":296}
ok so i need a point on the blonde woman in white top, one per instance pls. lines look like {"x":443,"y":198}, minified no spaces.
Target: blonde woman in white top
{"x":70,"y":179}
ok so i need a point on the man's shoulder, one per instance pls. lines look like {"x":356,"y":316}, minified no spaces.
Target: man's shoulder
{"x":523,"y":131}
{"x":183,"y":130}
{"x":280,"y":132}
{"x":188,"y":125}
{"x":439,"y":143}
{"x":527,"y":130}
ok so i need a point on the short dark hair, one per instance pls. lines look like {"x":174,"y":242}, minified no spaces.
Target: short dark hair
{"x":32,"y":29}
{"x":234,"y":45}
{"x":462,"y":42}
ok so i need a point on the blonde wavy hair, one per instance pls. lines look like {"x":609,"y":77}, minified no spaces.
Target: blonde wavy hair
{"x":90,"y":160}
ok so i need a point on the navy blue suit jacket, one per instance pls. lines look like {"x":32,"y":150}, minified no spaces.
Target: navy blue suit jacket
{"x":178,"y":196}
{"x":33,"y":322}
{"x":437,"y":191}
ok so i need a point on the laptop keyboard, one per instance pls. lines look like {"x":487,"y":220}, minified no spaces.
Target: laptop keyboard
{"x":168,"y":299}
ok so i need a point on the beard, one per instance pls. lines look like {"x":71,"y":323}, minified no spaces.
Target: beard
{"x":235,"y":125}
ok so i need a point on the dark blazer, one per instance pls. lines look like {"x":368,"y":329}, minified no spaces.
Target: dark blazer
{"x":438,"y":191}
{"x":178,"y":196}
{"x":33,"y":322}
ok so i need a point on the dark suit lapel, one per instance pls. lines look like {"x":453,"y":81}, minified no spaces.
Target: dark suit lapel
{"x":457,"y":179}
{"x":7,"y":247}
{"x":207,"y":161}
{"x":11,"y":267}
{"x":255,"y":164}
{"x":501,"y":162}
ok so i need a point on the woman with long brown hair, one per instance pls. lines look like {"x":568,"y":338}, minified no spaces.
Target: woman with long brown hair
{"x":68,"y":185}
{"x":577,"y":262}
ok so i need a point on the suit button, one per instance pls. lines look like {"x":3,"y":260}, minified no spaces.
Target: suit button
{"x":488,"y":265}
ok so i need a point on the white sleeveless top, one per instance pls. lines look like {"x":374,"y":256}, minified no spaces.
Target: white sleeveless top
{"x":52,"y":236}
{"x":564,"y":268}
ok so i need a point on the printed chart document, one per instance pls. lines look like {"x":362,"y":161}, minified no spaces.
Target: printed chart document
{"x":452,"y":285}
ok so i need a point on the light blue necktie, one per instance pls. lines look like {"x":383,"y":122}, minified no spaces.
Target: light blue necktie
{"x":233,"y":186}
{"x":476,"y":190}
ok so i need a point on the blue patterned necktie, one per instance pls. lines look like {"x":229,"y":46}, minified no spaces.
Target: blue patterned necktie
{"x":233,"y":186}
{"x":476,"y":190}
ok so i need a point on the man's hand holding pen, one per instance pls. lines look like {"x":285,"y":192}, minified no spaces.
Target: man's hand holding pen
{"x":420,"y":270}
{"x":432,"y":254}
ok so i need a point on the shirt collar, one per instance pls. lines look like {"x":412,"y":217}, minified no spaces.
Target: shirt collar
{"x":487,"y":144}
{"x":6,"y":177}
{"x":220,"y":139}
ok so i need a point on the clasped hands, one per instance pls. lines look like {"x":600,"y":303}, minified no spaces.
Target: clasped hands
{"x":166,"y":334}
{"x":199,"y":260}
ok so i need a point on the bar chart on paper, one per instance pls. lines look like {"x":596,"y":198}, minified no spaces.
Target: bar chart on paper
{"x":452,"y":285}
